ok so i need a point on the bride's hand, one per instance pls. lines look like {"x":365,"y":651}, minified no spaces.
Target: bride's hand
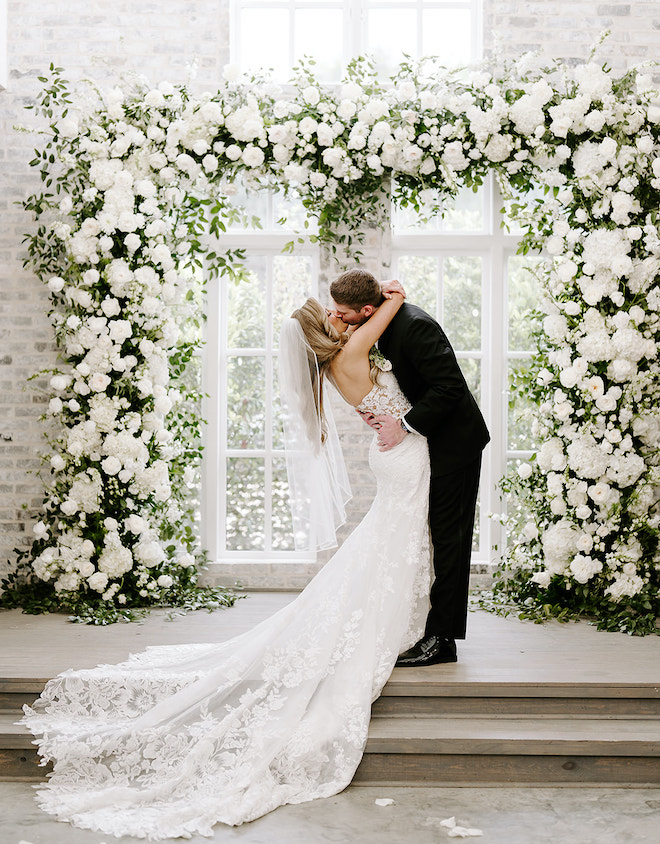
{"x":392,"y":286}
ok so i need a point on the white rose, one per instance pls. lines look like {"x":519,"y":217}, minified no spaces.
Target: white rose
{"x":111,"y":465}
{"x":57,"y":462}
{"x":165,"y":581}
{"x":311,"y":95}
{"x":346,"y":109}
{"x":543,"y":578}
{"x":99,"y":382}
{"x":110,"y":306}
{"x":55,"y":284}
{"x":98,"y":581}
{"x":253,"y":156}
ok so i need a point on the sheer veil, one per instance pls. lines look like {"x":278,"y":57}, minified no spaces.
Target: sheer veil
{"x":318,"y":482}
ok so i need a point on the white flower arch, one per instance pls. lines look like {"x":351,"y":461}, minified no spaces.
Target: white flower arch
{"x":133,"y":179}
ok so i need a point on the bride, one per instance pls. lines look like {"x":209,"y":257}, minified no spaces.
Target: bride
{"x":179,"y":738}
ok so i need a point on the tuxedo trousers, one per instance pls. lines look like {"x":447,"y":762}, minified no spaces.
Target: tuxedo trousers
{"x":452,"y":504}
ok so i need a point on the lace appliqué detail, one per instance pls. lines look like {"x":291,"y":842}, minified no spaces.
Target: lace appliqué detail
{"x":386,"y":398}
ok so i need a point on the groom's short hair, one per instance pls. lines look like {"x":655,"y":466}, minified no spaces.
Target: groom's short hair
{"x":356,"y":288}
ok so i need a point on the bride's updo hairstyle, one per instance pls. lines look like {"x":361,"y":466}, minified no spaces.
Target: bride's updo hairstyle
{"x":326,"y":343}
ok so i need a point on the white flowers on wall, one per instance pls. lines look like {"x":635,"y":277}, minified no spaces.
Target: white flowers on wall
{"x":134,"y":178}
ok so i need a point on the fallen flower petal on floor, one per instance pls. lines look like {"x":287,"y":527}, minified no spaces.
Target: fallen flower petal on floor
{"x":448,"y":822}
{"x":384,"y":801}
{"x":463,"y":832}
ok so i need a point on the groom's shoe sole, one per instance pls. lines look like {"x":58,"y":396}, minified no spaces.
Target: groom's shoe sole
{"x":421,"y":661}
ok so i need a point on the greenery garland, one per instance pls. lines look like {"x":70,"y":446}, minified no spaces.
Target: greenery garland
{"x":135,"y":178}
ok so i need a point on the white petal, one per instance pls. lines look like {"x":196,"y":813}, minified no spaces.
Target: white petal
{"x":448,"y":822}
{"x":384,"y":801}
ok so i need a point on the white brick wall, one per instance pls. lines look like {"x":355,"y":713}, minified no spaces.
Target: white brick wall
{"x":568,"y":29}
{"x":99,"y":40}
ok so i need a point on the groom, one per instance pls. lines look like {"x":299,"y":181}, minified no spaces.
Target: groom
{"x":445,"y":412}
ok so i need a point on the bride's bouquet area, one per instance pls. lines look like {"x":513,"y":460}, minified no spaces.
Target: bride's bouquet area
{"x":136,"y":191}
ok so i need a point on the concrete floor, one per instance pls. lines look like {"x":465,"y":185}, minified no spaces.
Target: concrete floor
{"x":504,"y":815}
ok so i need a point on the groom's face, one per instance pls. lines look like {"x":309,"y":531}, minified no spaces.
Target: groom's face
{"x":350,"y":316}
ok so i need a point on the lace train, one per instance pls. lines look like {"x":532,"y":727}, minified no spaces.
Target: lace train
{"x":179,"y":738}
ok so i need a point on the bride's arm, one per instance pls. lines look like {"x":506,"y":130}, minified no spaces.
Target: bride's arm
{"x":365,"y":335}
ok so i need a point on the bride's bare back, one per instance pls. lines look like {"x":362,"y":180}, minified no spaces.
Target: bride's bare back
{"x":350,"y":368}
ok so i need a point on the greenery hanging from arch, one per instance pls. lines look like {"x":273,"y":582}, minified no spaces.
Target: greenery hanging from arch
{"x":135,"y":178}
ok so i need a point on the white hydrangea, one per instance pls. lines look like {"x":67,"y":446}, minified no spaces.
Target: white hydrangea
{"x":551,"y":456}
{"x":559,"y":543}
{"x":585,"y":458}
{"x":583,"y":568}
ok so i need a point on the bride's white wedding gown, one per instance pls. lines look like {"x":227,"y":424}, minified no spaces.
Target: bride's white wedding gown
{"x":179,"y":738}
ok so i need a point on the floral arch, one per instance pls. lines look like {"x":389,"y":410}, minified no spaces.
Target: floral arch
{"x":134,"y":178}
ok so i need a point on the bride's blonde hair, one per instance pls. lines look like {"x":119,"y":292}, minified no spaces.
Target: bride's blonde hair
{"x":325,"y":342}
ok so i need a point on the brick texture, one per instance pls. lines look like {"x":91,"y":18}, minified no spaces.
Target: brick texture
{"x":569,"y":30}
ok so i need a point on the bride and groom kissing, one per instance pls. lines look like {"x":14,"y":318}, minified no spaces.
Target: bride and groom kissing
{"x":180,"y":738}
{"x":443,"y":411}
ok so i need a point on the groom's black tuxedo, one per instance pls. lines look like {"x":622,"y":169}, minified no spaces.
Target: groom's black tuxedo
{"x":445,"y":412}
{"x":443,"y":408}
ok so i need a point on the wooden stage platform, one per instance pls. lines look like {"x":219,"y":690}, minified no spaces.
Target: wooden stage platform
{"x":526,"y":704}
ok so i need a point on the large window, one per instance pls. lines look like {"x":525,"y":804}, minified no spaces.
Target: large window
{"x":246,"y":494}
{"x":278,"y":33}
{"x":462,"y":268}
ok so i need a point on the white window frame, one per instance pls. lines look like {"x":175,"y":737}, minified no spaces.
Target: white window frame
{"x":268,"y":242}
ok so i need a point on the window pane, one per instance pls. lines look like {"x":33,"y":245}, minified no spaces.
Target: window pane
{"x":265,"y":40}
{"x":471,"y":370}
{"x":526,"y":200}
{"x":446,"y":34}
{"x":520,"y":414}
{"x":291,"y":210}
{"x":391,"y":32}
{"x":254,"y":204}
{"x":245,"y":503}
{"x":278,"y":423}
{"x":463,"y":214}
{"x":419,"y":276}
{"x":466,"y":213}
{"x":319,"y":34}
{"x":246,"y":402}
{"x":292,"y":284}
{"x":461,"y":285}
{"x":246,"y":317}
{"x":282,"y":524}
{"x":523,"y":296}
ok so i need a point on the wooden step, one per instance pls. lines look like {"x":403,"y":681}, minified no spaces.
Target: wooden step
{"x":426,"y":732}
{"x":17,"y":691}
{"x":412,"y":696}
{"x":485,"y":751}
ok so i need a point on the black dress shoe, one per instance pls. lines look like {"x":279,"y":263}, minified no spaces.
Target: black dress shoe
{"x":431,"y":650}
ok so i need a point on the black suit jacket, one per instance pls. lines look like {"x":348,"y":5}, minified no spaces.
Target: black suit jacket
{"x":443,"y":408}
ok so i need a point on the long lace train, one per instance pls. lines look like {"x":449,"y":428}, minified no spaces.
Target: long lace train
{"x":179,"y":738}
